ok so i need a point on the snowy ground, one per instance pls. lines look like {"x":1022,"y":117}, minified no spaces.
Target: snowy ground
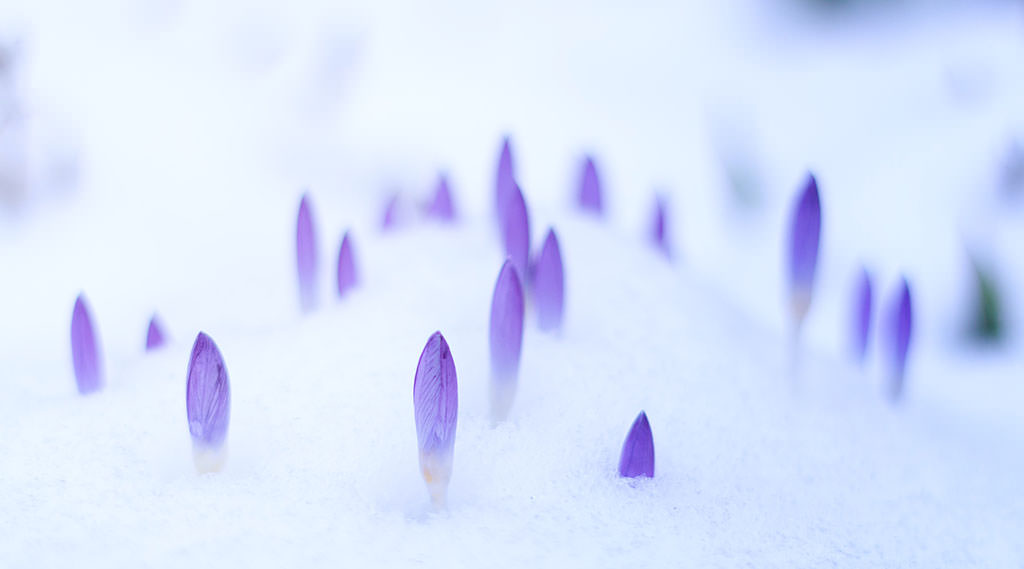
{"x":195,"y":129}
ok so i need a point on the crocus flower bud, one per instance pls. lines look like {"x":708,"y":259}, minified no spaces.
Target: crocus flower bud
{"x":208,"y":403}
{"x":306,"y":255}
{"x":506,"y":340}
{"x":549,"y":284}
{"x":658,"y":230}
{"x":901,"y":325}
{"x":155,"y":337}
{"x":805,"y":231}
{"x":861,"y":315}
{"x":441,"y":206}
{"x":435,"y":396}
{"x":638,"y":450}
{"x":505,"y":182}
{"x":516,"y":237}
{"x":390,"y":220}
{"x":347,"y":276}
{"x":590,"y":189}
{"x":85,"y":349}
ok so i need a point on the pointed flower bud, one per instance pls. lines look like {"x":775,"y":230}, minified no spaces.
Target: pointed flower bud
{"x":638,"y":450}
{"x":590,"y":188}
{"x":85,"y":349}
{"x":658,"y":232}
{"x":390,"y":214}
{"x":516,"y":237}
{"x":549,"y":284}
{"x":208,"y":403}
{"x":506,"y":340}
{"x":805,"y":230}
{"x":306,"y":255}
{"x":155,"y":337}
{"x":441,"y":207}
{"x":505,"y":182}
{"x":862,"y":315}
{"x":901,"y":325}
{"x":435,"y":396}
{"x":347,"y":276}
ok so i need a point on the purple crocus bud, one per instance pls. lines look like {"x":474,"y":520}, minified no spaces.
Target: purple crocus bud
{"x":862,"y":315}
{"x":516,"y":227}
{"x":208,"y":403}
{"x":435,"y":397}
{"x":805,"y":232}
{"x":638,"y":450}
{"x":85,"y":349}
{"x":549,"y":284}
{"x":590,"y":189}
{"x":390,"y":214}
{"x":155,"y":337}
{"x":347,"y":276}
{"x":505,"y":183}
{"x":506,"y":340}
{"x":658,"y":236}
{"x":441,"y":207}
{"x":901,"y":322}
{"x":306,"y":255}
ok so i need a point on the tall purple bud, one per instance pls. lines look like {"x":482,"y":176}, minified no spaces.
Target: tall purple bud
{"x":506,"y":340}
{"x":208,"y":403}
{"x":901,"y":326}
{"x":155,"y":337}
{"x":435,"y":397}
{"x":306,"y":255}
{"x":805,"y":231}
{"x":638,"y":450}
{"x":861,"y":315}
{"x":590,"y":189}
{"x":441,"y":207}
{"x":549,"y":284}
{"x":658,"y":231}
{"x":516,"y":231}
{"x":505,"y":182}
{"x":390,"y":219}
{"x":85,"y":349}
{"x":347,"y":276}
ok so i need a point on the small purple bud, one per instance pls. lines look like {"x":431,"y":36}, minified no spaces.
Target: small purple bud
{"x":901,"y":322}
{"x":590,"y":189}
{"x":658,"y":233}
{"x":306,"y":255}
{"x":516,"y":226}
{"x":390,"y":214}
{"x":435,"y":396}
{"x":505,"y":182}
{"x":803,"y":253}
{"x":441,"y":207}
{"x":506,"y":340}
{"x":549,"y":284}
{"x":155,"y":337}
{"x":85,"y":349}
{"x":208,"y":402}
{"x":638,"y":450}
{"x":347,"y":276}
{"x":862,"y":315}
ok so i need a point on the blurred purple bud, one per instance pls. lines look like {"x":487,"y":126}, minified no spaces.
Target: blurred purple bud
{"x":85,"y":349}
{"x":862,"y":315}
{"x":208,"y":403}
{"x":306,"y":255}
{"x":658,"y":232}
{"x":638,"y":450}
{"x":590,"y":188}
{"x":901,"y":322}
{"x":347,"y":276}
{"x":506,"y":339}
{"x":516,"y":236}
{"x":390,"y":214}
{"x":805,"y":231}
{"x":441,"y":207}
{"x":549,"y":284}
{"x":435,"y":395}
{"x":155,"y":337}
{"x":505,"y":182}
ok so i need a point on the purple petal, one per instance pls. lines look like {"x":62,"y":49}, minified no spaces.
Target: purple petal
{"x":803,"y":253}
{"x":638,"y":450}
{"x":306,"y":255}
{"x":505,"y":183}
{"x":549,"y":284}
{"x":435,"y":396}
{"x":441,"y":207}
{"x":590,"y":188}
{"x":390,"y":214}
{"x":901,"y":322}
{"x":85,"y":349}
{"x":347,"y":277}
{"x":506,"y":339}
{"x":658,"y":233}
{"x":155,"y":337}
{"x":862,"y":315}
{"x":516,"y":236}
{"x":207,"y":399}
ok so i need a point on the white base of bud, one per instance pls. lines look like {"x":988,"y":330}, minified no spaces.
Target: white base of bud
{"x":209,"y":459}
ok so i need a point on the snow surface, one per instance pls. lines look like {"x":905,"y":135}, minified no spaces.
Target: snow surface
{"x":195,"y":127}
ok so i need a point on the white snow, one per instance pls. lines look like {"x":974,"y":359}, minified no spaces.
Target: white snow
{"x":195,"y":127}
